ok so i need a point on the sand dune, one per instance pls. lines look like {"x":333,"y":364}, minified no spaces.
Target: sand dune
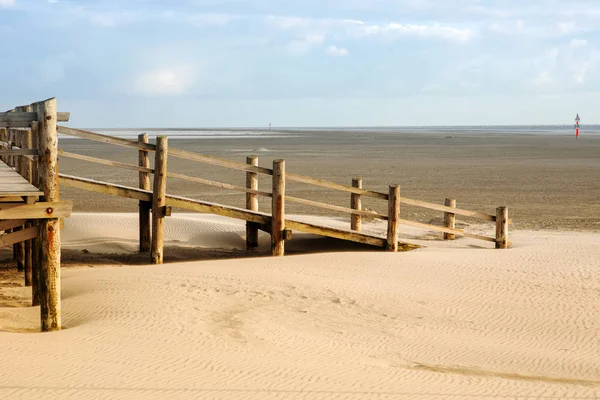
{"x":452,"y":320}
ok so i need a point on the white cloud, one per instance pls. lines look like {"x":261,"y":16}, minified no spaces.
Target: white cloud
{"x":305,"y":44}
{"x":7,"y":3}
{"x":578,"y":42}
{"x":543,"y":79}
{"x":423,"y":31}
{"x":337,"y":51}
{"x":566,"y":28}
{"x":166,"y":81}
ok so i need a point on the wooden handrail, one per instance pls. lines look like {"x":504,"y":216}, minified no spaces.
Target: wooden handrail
{"x":102,"y":161}
{"x":334,"y":208}
{"x":217,"y":184}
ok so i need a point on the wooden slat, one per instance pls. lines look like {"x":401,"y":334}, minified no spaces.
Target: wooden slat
{"x":439,"y":207}
{"x":63,"y":116}
{"x":336,"y":186}
{"x":334,"y":208}
{"x":104,"y":187}
{"x":188,"y":155}
{"x":42,"y":210}
{"x":116,"y":164}
{"x":15,"y":151}
{"x":105,"y":138}
{"x":18,"y":236}
{"x":217,"y":184}
{"x":11,"y":223}
{"x":13,"y":184}
{"x":436,"y":228}
{"x":218,"y":209}
{"x":24,"y":119}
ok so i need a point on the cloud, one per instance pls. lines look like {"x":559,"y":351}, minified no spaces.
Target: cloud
{"x":423,"y":31}
{"x":565,"y":28}
{"x":543,"y":79}
{"x":304,"y":44}
{"x":7,"y":3}
{"x":337,"y":51}
{"x":166,"y":81}
{"x":578,"y":42}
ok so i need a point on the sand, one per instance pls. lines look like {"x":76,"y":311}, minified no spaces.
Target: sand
{"x":451,"y":320}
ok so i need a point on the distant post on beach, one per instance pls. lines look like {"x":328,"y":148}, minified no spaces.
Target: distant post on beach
{"x":577,"y":119}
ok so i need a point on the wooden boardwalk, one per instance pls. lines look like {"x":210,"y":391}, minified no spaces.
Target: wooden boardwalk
{"x":12,"y":184}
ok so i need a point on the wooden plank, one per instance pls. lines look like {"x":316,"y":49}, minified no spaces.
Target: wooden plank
{"x":334,"y":208}
{"x":24,"y":119}
{"x":102,"y":161}
{"x":145,"y":218}
{"x":439,"y":207}
{"x":278,"y":209}
{"x":19,"y":152}
{"x":336,"y":186}
{"x":9,"y":239}
{"x":252,"y":203}
{"x":502,"y":228}
{"x":295,"y":225}
{"x":63,"y":116}
{"x":43,"y":210}
{"x":436,"y":228}
{"x":187,"y":155}
{"x":393,"y":217}
{"x":356,"y":204}
{"x":217,"y":184}
{"x":11,"y":223}
{"x":218,"y":209}
{"x":105,"y":188}
{"x":105,"y":138}
{"x":159,"y":200}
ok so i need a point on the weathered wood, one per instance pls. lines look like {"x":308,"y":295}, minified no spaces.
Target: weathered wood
{"x":105,"y":162}
{"x":159,"y":200}
{"x":19,"y":119}
{"x":449,"y":219}
{"x":187,"y":155}
{"x":45,"y":210}
{"x":36,"y":251}
{"x":393,"y":217}
{"x":458,"y":232}
{"x":145,"y":221}
{"x":356,"y":204}
{"x":217,"y":184}
{"x":50,"y":300}
{"x":502,"y":228}
{"x":3,"y":143}
{"x":19,"y":152}
{"x":278,"y":209}
{"x":27,"y":172}
{"x":105,"y":138}
{"x":252,"y":203}
{"x":35,"y":137}
{"x":218,"y":209}
{"x":105,"y":188}
{"x":10,"y":224}
{"x":336,"y":186}
{"x":19,"y":236}
{"x":13,"y":184}
{"x":346,"y":210}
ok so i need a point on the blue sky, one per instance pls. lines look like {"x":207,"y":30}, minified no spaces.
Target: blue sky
{"x":234,"y":63}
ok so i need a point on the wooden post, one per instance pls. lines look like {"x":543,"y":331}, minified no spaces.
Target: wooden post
{"x":27,"y":143}
{"x":502,"y":228}
{"x":159,"y":200}
{"x":37,"y":244}
{"x":393,"y":217}
{"x":449,"y":219}
{"x":251,"y":203}
{"x":278,"y":209}
{"x":144,"y":206}
{"x":356,"y":204}
{"x":49,"y":235}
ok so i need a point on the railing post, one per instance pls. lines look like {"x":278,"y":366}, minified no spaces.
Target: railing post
{"x":449,"y":219}
{"x":356,"y":204}
{"x":3,"y":138}
{"x":278,"y":208}
{"x":251,"y":203}
{"x":502,"y":227}
{"x":159,"y":200}
{"x":36,"y":285}
{"x":144,"y":206}
{"x":27,"y":143}
{"x":393,"y":217}
{"x":49,"y":234}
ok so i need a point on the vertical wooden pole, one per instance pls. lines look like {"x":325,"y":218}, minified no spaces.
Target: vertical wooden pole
{"x":393,"y":217}
{"x":145,"y":206}
{"x":450,"y":219}
{"x":159,"y":200}
{"x":3,"y":138}
{"x":502,"y":228}
{"x":356,"y":204}
{"x":251,"y":203}
{"x":37,"y":244}
{"x":278,"y":209}
{"x":27,"y":143}
{"x":19,"y":248}
{"x":50,"y":300}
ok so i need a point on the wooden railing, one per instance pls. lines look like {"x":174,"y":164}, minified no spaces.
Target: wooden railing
{"x":255,"y":220}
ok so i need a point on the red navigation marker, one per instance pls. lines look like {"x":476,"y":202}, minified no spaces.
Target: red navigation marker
{"x":577,"y":119}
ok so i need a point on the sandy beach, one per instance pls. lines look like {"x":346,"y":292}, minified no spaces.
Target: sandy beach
{"x":331,"y":320}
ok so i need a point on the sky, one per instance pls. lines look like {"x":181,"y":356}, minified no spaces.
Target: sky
{"x":295,"y":63}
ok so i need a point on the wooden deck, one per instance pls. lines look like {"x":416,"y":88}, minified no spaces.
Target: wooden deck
{"x":12,"y":184}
